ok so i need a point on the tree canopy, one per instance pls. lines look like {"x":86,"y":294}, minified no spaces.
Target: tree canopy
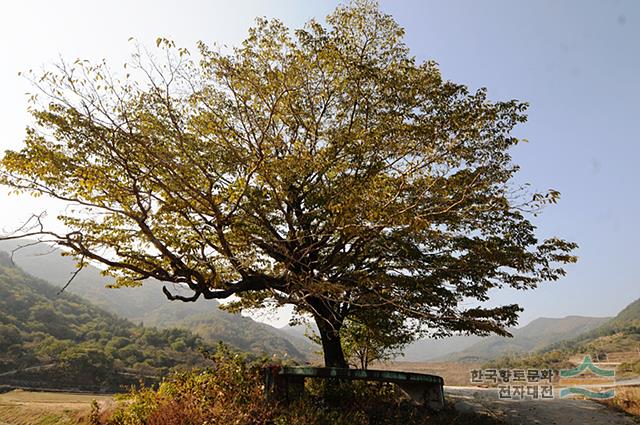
{"x":324,"y":168}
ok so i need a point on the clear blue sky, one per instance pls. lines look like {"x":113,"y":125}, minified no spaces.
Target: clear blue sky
{"x":576,"y":62}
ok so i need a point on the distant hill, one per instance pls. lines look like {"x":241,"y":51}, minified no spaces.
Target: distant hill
{"x":616,"y":340}
{"x":629,"y":317}
{"x":147,"y":305}
{"x":212,"y":324}
{"x":533,"y":337}
{"x":472,"y":348}
{"x":621,"y":333}
{"x":424,"y":350}
{"x":547,"y":339}
{"x":62,"y":341}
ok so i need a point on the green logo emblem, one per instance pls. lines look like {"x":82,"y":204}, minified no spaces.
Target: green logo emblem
{"x":587,"y":364}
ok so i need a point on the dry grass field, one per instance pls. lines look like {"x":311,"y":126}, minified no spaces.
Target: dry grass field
{"x":454,"y":373}
{"x":627,"y":399}
{"x":48,"y":408}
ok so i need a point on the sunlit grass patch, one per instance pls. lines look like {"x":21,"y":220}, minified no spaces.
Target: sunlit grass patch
{"x":45,"y":408}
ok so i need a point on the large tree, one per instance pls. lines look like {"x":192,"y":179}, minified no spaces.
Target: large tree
{"x":323,"y":168}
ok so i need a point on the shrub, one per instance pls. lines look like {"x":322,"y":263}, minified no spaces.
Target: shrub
{"x":232,"y":393}
{"x":630,"y":368}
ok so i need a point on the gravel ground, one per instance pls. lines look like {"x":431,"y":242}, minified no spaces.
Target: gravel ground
{"x":526,"y":412}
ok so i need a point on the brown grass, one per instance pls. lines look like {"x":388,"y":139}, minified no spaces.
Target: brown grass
{"x":454,"y":373}
{"x":627,"y":399}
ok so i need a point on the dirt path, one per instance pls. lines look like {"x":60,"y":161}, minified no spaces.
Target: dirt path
{"x":528,"y":412}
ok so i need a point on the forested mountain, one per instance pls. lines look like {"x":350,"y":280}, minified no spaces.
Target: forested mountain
{"x":147,"y":305}
{"x":532,"y":337}
{"x":62,"y":341}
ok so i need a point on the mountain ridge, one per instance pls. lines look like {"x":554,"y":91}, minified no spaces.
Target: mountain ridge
{"x":536,"y":335}
{"x":147,"y":304}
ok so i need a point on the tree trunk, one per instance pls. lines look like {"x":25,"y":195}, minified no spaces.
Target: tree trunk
{"x":331,"y":344}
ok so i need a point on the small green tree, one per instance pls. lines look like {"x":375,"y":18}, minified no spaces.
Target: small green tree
{"x":365,"y":344}
{"x":324,"y":168}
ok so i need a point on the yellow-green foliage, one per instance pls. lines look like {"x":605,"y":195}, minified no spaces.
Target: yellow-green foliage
{"x":324,"y":168}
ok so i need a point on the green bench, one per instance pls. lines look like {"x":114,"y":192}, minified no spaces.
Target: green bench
{"x":286,"y":382}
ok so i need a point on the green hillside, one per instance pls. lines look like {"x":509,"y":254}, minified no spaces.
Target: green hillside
{"x":61,"y":341}
{"x":147,"y":305}
{"x":206,"y":320}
